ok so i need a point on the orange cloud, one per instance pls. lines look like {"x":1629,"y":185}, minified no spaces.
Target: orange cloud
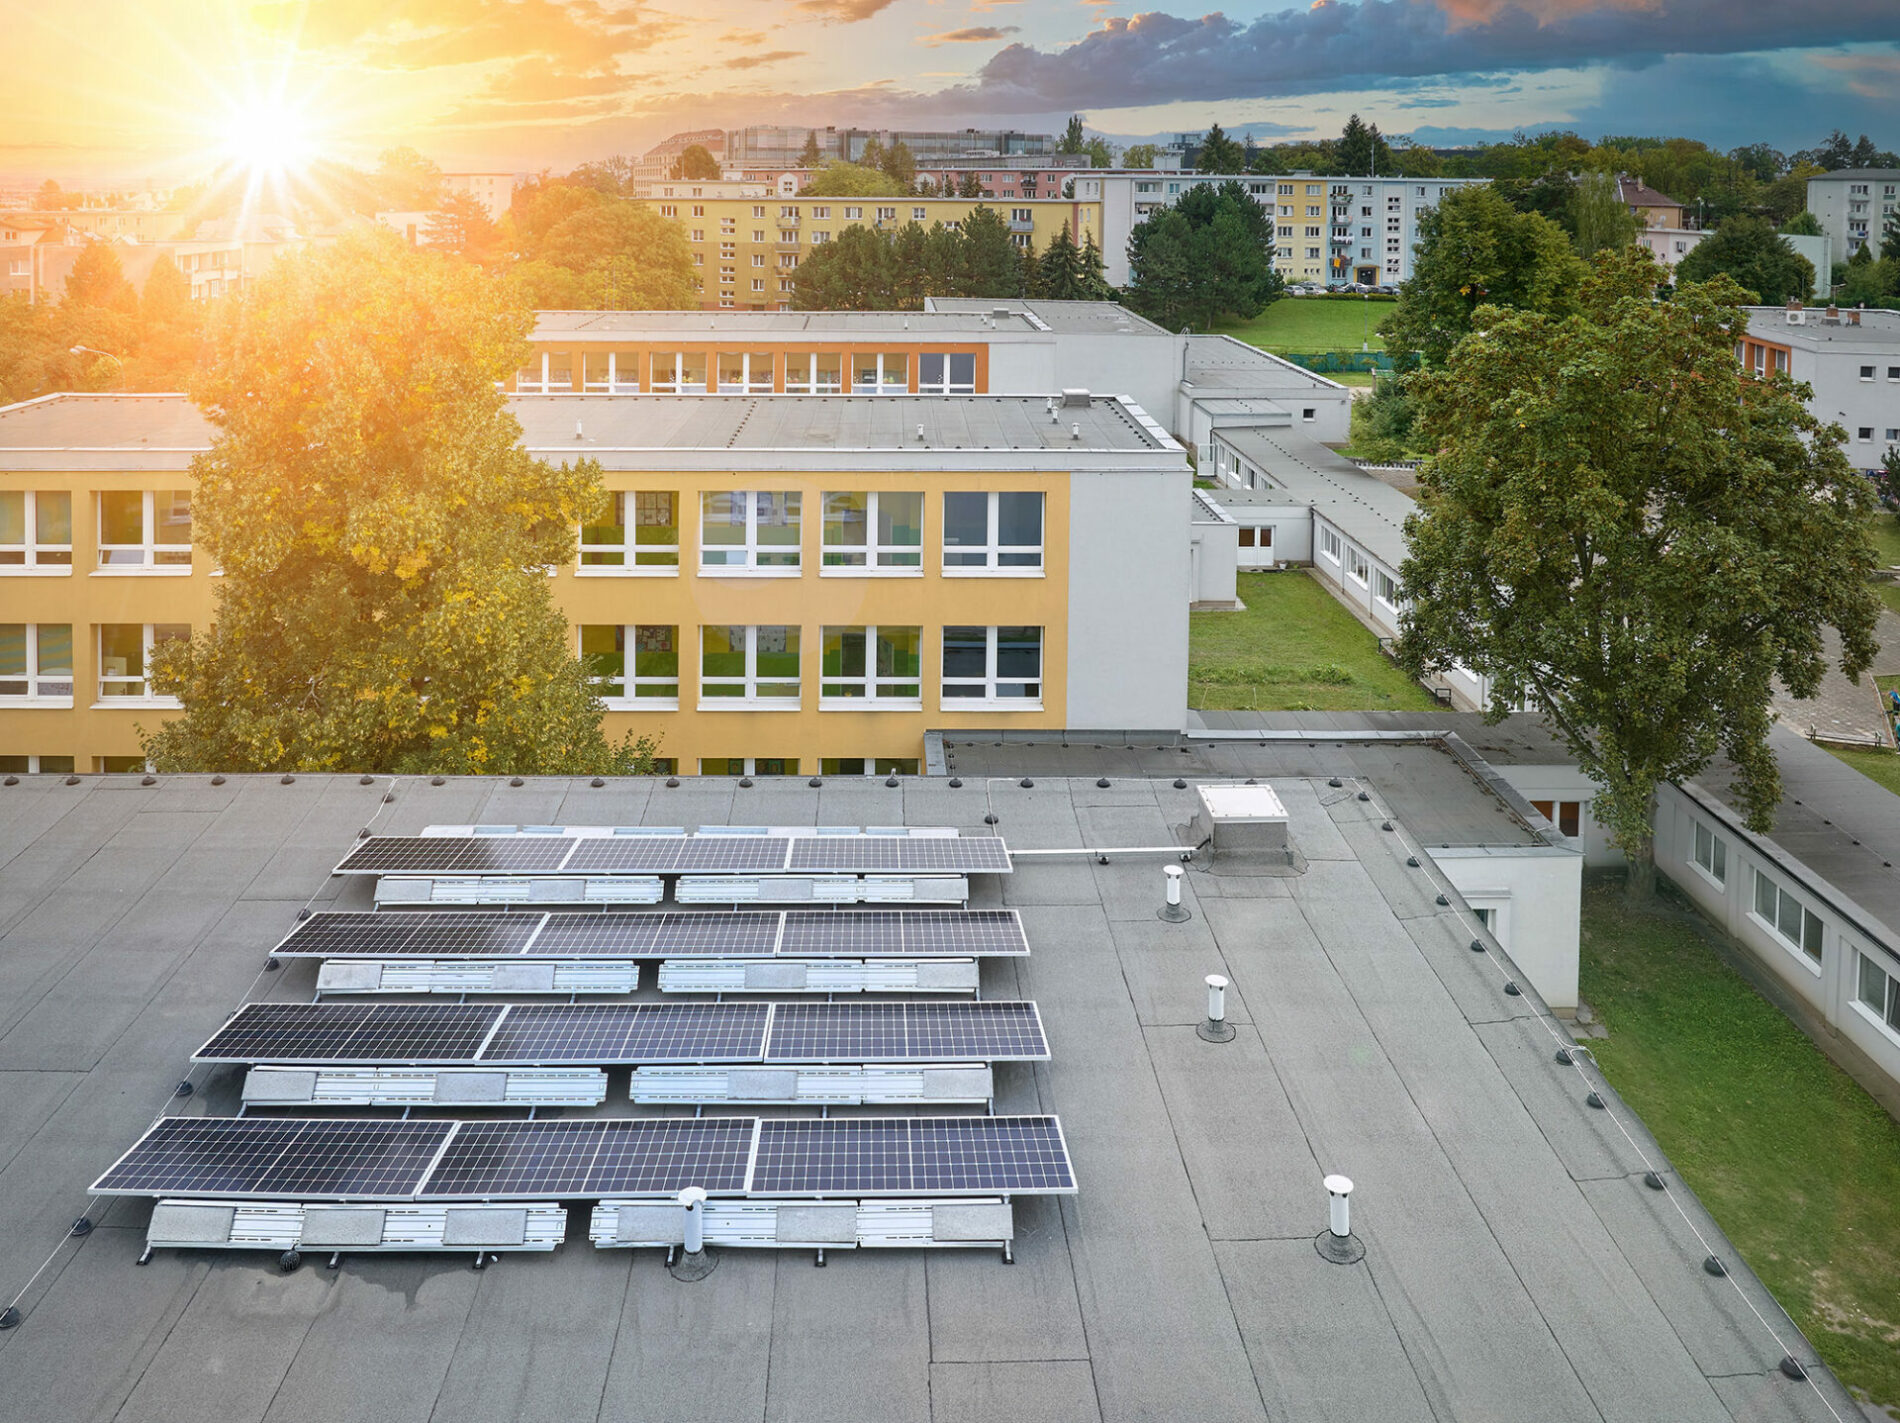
{"x":974,"y":34}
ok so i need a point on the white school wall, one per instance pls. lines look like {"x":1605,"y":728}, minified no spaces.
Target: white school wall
{"x":1535,"y":894}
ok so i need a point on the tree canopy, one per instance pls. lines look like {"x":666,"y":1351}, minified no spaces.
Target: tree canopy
{"x":1476,"y":250}
{"x":809,"y":156}
{"x":1207,"y":259}
{"x":852,"y":180}
{"x":1624,"y":531}
{"x":1756,"y":256}
{"x":382,"y":534}
{"x":1600,"y":219}
{"x":865,"y":269}
{"x":586,"y":251}
{"x":695,"y":162}
{"x":1362,"y":149}
{"x":1220,"y":154}
{"x":1139,"y":155}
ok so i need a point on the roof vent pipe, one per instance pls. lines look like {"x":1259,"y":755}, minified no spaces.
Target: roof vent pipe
{"x":920,"y":433}
{"x":1075,"y":431}
{"x":1216,"y":1029}
{"x":579,"y":434}
{"x":1337,"y":1243}
{"x":1172,"y":909}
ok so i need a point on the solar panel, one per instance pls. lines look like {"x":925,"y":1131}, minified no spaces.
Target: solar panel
{"x":910,"y":1156}
{"x":986,"y":1032}
{"x":456,"y":854}
{"x":649,"y":935}
{"x":254,"y":1156}
{"x":352,"y":1032}
{"x":666,"y":855}
{"x":903,"y":933}
{"x":336,"y":935}
{"x":878,"y":854}
{"x":837,"y":1032}
{"x":602,"y":1033}
{"x":594,"y":1158}
{"x":906,"y":1032}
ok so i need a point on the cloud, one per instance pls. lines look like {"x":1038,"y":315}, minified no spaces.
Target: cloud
{"x":975,"y":34}
{"x":1872,"y":76}
{"x":983,"y":7}
{"x":842,"y":11}
{"x":423,"y":34}
{"x":754,"y":61}
{"x":1159,"y":58}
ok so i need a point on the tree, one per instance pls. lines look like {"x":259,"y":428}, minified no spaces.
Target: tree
{"x":1220,"y":154}
{"x":1756,"y":256}
{"x":988,"y":262}
{"x":612,"y":255}
{"x":382,"y":534}
{"x":695,"y":164}
{"x":851,"y":180}
{"x":1139,"y":155}
{"x":856,"y":271}
{"x":1099,"y":152}
{"x":1059,"y":272}
{"x":899,"y":166}
{"x":1072,"y":140}
{"x":1889,"y":242}
{"x":873,"y":155}
{"x":1869,"y":283}
{"x":170,"y":333}
{"x":98,"y":280}
{"x":1094,"y":284}
{"x":970,"y":186}
{"x":1476,"y":250}
{"x":1802,"y":224}
{"x":1887,"y":480}
{"x":1361,"y":149}
{"x":1207,"y":259}
{"x":1623,"y":531}
{"x":405,"y":181}
{"x":1599,"y":217}
{"x":461,"y":224}
{"x":1385,"y":426}
{"x":809,"y":156}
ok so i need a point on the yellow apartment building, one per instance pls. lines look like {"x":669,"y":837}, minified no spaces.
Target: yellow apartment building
{"x":781,"y":586}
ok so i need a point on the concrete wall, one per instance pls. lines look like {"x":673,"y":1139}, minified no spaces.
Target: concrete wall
{"x":1535,"y":894}
{"x":1128,"y":600}
{"x":1026,"y":367}
{"x":1828,"y":988}
{"x":1145,"y":367}
{"x":1213,"y":558}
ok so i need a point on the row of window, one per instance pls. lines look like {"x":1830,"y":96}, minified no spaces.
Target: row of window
{"x":36,"y":659}
{"x":662,"y":766}
{"x":763,"y":531}
{"x":628,"y":372}
{"x":142,"y":529}
{"x":762,"y":666}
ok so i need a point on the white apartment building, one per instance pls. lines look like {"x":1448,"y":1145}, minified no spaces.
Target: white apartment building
{"x":1850,"y":358}
{"x":494,"y":191}
{"x":1855,"y":206}
{"x":1332,"y":231}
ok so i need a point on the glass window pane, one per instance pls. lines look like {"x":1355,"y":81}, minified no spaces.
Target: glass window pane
{"x":1765,"y":897}
{"x":604,"y":652}
{"x":122,"y":654}
{"x":1811,"y":934}
{"x":731,"y":370}
{"x":829,"y":371}
{"x":930,"y":368}
{"x":1019,"y":518}
{"x":847,"y":526}
{"x":594,"y":368}
{"x":1873,"y":985}
{"x":56,"y":649}
{"x":864,"y":371}
{"x":1788,"y":921}
{"x":760,"y":373}
{"x":722,"y":654}
{"x":12,"y":517}
{"x":612,"y":532}
{"x":900,"y":519}
{"x":844,"y":655}
{"x":665,"y":366}
{"x":965,"y":654}
{"x":896,"y":766}
{"x":1018,"y":652}
{"x":966,"y":520}
{"x":963,"y":369}
{"x":53,"y":513}
{"x":896,"y":368}
{"x":777,"y":658}
{"x":842,"y":765}
{"x":13,"y":656}
{"x":656,"y":651}
{"x":778,"y":528}
{"x":121,"y":516}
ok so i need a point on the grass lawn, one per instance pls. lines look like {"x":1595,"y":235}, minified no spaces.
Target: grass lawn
{"x":1881,"y":766}
{"x":1800,"y":1166}
{"x":1300,"y":323}
{"x":1293,"y":649}
{"x":1883,"y":526}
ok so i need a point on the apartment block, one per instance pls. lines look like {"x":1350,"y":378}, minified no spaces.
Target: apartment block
{"x":1855,"y":207}
{"x":780,"y":586}
{"x":1850,"y":358}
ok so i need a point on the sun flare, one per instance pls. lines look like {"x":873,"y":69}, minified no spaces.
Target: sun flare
{"x":270,"y":137}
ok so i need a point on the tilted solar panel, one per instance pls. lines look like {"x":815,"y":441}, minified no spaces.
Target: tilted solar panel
{"x":352,"y":1032}
{"x":445,"y":935}
{"x":880,"y":854}
{"x":654,"y":935}
{"x":599,"y":1034}
{"x":457,"y":854}
{"x":910,"y":1156}
{"x":594,"y":1158}
{"x":277,"y":1157}
{"x":903,"y":933}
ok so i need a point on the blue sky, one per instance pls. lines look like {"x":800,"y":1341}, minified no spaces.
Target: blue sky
{"x":135,"y":84}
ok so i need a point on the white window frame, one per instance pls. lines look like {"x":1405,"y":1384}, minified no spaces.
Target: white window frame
{"x":614,"y":384}
{"x":623,"y":693}
{"x":32,"y":550}
{"x":1358,"y":566}
{"x":993,"y":552}
{"x":989,"y":697}
{"x":144,"y":557}
{"x":883,"y":385}
{"x":750,"y":550}
{"x":880,"y":559}
{"x":144,"y":697}
{"x":41,"y":689}
{"x":631,"y":552}
{"x":677,"y":384}
{"x":945,"y":384}
{"x":749,"y":698}
{"x":789,"y":765}
{"x":1885,"y":1017}
{"x":1330,"y":544}
{"x":1708,"y":852}
{"x":875,"y":692}
{"x":1796,"y":946}
{"x":1385,"y":589}
{"x":750,"y":381}
{"x":803,"y":379}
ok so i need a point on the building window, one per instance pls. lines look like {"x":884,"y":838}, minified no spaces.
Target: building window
{"x":854,"y":214}
{"x":1566,"y":815}
{"x":748,"y":765}
{"x":145,"y":528}
{"x":998,"y":531}
{"x":656,"y":532}
{"x":677,"y":373}
{"x":874,"y":530}
{"x":880,"y":373}
{"x":1356,"y":566}
{"x":875,"y":664}
{"x":1867,"y":373}
{"x":611,"y":371}
{"x":36,"y":530}
{"x":868,"y":765}
{"x":125,"y":656}
{"x":36,"y":765}
{"x":744,"y":529}
{"x":992,"y":664}
{"x":758,"y":258}
{"x":1329,"y":544}
{"x":745,"y":372}
{"x":1385,"y":588}
{"x":1878,"y":992}
{"x":1711,"y":853}
{"x":1797,"y":925}
{"x":946,"y":374}
{"x":821,"y":213}
{"x":1256,"y":536}
{"x":813,"y":374}
{"x":919,"y":214}
{"x":36,"y":662}
{"x":887,"y":214}
{"x":1865,"y":434}
{"x":653,"y":678}
{"x":758,"y":665}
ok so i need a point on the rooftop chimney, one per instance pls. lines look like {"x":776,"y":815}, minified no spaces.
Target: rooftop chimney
{"x":1243,"y":822}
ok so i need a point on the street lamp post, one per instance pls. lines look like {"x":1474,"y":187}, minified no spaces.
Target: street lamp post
{"x":118,"y":361}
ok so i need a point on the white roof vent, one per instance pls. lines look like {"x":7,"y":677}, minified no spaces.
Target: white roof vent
{"x":1075,"y":399}
{"x":1243,"y":821}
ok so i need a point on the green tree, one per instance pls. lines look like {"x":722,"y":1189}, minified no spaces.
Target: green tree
{"x":1802,"y":224}
{"x":851,"y":180}
{"x":1059,"y":272}
{"x":98,"y":280}
{"x":1869,"y":283}
{"x":899,"y":166}
{"x":1205,"y":260}
{"x":1756,"y":256}
{"x":1362,"y":150}
{"x":382,"y":535}
{"x":1220,"y":154}
{"x":1476,"y":250}
{"x":855,"y":271}
{"x":170,"y":334}
{"x":1099,"y":152}
{"x":33,"y":358}
{"x":1599,"y":218}
{"x":613,"y":176}
{"x":612,"y":254}
{"x":1598,"y":474}
{"x":809,"y":156}
{"x":405,"y":181}
{"x":970,"y":186}
{"x":988,"y":263}
{"x":1889,"y":242}
{"x":695,"y":164}
{"x":1072,"y":140}
{"x":1139,"y":155}
{"x":873,"y":155}
{"x":461,"y":224}
{"x":1385,"y":425}
{"x":1094,"y":281}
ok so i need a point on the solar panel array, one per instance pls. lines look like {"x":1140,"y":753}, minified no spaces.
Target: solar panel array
{"x":613,"y":1034}
{"x":675,"y":854}
{"x":308,"y":1159}
{"x":796,"y":933}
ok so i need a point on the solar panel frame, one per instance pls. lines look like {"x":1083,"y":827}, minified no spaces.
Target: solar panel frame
{"x":993,"y":1030}
{"x":615,"y":1034}
{"x":614,"y":1156}
{"x":879,"y":854}
{"x":605,"y":855}
{"x":911,"y":1156}
{"x":365,"y":1033}
{"x":277,"y":1157}
{"x":903,"y":933}
{"x":457,"y":855}
{"x":441,"y":934}
{"x":741,"y":934}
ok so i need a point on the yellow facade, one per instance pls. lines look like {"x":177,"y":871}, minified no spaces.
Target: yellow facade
{"x":745,"y":250}
{"x":99,"y":731}
{"x":1301,"y":223}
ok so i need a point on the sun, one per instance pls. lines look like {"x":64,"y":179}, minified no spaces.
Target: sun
{"x":270,"y":137}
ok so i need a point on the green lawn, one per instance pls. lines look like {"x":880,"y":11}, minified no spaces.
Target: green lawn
{"x":1293,"y":649}
{"x":1883,"y":526}
{"x":1301,"y":323}
{"x":1800,"y":1166}
{"x":1881,"y":766}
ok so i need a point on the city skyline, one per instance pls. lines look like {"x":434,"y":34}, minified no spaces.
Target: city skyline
{"x":108,"y":91}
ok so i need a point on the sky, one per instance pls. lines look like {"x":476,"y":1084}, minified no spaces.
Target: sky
{"x":158,"y":90}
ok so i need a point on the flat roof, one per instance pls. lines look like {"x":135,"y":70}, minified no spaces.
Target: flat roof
{"x":163,"y":432}
{"x":1875,"y":327}
{"x":1364,"y":506}
{"x":1514,"y":1266}
{"x":1065,"y":317}
{"x":975,"y":321}
{"x":1217,"y":363}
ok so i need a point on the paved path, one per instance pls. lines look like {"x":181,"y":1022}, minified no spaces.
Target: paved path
{"x":1842,"y":710}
